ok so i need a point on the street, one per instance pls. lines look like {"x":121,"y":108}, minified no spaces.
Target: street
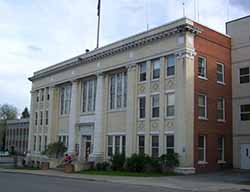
{"x":12,"y":182}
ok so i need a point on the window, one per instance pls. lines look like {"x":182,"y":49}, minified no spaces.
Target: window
{"x":45,"y":142}
{"x":169,"y":144}
{"x":37,"y":96}
{"x":141,"y":144}
{"x":41,"y":117}
{"x":36,"y":118}
{"x":47,"y":117}
{"x":156,"y":64}
{"x":155,"y":146}
{"x":143,"y":71}
{"x":40,"y":143}
{"x":202,"y":67}
{"x":171,"y":65}
{"x":170,"y":110}
{"x":155,"y":106}
{"x":88,"y":95}
{"x":34,"y":144}
{"x":221,"y":109}
{"x":110,"y":146}
{"x":142,"y":107}
{"x":42,"y":95}
{"x":116,"y":145}
{"x":245,"y":112}
{"x":220,"y":73}
{"x":65,"y":99}
{"x":244,"y":75}
{"x":202,"y":148}
{"x":118,"y":91}
{"x":48,"y":94}
{"x":220,"y":148}
{"x":202,"y":106}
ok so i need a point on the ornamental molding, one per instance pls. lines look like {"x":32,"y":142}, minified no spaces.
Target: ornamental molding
{"x":185,"y":53}
{"x":115,"y":48}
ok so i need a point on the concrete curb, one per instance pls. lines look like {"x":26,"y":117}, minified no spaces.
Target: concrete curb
{"x":133,"y":181}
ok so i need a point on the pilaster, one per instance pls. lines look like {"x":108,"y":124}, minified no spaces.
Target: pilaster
{"x":73,"y":117}
{"x":148,"y":110}
{"x":98,"y":150}
{"x":31,"y":120}
{"x":131,"y":111}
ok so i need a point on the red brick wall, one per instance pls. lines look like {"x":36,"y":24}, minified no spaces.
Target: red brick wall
{"x":215,"y":47}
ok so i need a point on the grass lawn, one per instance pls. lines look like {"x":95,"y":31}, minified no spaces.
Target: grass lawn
{"x":125,"y":173}
{"x":245,"y":183}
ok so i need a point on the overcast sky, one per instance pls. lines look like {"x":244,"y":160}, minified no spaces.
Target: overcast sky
{"x":38,"y":33}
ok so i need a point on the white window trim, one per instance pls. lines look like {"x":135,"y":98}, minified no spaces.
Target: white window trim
{"x":166,"y":67}
{"x":243,"y":75}
{"x":223,"y":74}
{"x":113,"y":143}
{"x":204,"y":152}
{"x":201,"y":77}
{"x":87,"y":81}
{"x":220,"y":161}
{"x":138,"y":99}
{"x":152,"y":69}
{"x":154,"y":94}
{"x":242,"y":112}
{"x":139,"y":71}
{"x":165,"y":141}
{"x":151,"y":143}
{"x":203,"y":118}
{"x":224,"y":118}
{"x":166,"y":103}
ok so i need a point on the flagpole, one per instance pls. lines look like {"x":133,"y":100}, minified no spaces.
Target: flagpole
{"x":99,"y":21}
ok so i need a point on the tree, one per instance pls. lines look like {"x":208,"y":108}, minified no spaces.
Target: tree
{"x":7,"y":112}
{"x":55,"y":150}
{"x":25,"y":113}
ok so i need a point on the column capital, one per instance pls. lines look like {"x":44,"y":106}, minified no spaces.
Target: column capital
{"x":100,"y":73}
{"x":185,"y":53}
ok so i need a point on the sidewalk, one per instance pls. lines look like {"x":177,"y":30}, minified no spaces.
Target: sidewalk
{"x":171,"y":182}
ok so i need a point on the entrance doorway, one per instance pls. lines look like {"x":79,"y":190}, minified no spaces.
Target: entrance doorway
{"x":86,"y":147}
{"x":245,"y":156}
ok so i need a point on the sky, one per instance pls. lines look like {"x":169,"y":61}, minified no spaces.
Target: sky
{"x":35,"y":34}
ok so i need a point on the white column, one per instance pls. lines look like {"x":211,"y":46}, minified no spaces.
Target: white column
{"x":50,"y":115}
{"x":30,"y":138}
{"x":131,"y":104}
{"x":98,"y":149}
{"x":72,"y":117}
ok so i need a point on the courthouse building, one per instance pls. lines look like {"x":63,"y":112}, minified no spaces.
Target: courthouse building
{"x":239,"y":30}
{"x":17,"y":134}
{"x":167,"y":89}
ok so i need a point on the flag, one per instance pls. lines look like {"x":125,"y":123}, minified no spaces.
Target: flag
{"x":98,"y":8}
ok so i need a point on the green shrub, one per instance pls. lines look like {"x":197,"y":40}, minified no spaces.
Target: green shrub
{"x":169,"y":161}
{"x":55,"y":150}
{"x":118,"y":161}
{"x":103,"y":166}
{"x":136,"y":163}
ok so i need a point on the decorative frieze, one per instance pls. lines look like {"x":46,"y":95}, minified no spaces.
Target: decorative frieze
{"x":170,"y":84}
{"x":140,"y":125}
{"x":169,"y":124}
{"x":155,"y":86}
{"x":155,"y":125}
{"x":141,"y":89}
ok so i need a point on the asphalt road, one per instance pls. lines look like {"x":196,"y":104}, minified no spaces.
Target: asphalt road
{"x":13,"y":182}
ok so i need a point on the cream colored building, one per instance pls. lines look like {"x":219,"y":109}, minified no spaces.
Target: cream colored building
{"x":239,"y":30}
{"x":123,"y":97}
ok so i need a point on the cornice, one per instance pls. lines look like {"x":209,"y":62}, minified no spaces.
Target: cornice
{"x":99,"y":54}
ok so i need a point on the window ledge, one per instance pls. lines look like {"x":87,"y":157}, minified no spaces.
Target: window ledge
{"x":143,"y":119}
{"x":202,"y":162}
{"x":203,"y":78}
{"x":141,"y":82}
{"x":154,"y":80}
{"x":170,"y":117}
{"x":170,"y":77}
{"x":154,"y":118}
{"x":221,"y":120}
{"x":87,"y":113}
{"x":221,"y":83}
{"x":221,"y":162}
{"x":117,"y":110}
{"x":203,"y":118}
